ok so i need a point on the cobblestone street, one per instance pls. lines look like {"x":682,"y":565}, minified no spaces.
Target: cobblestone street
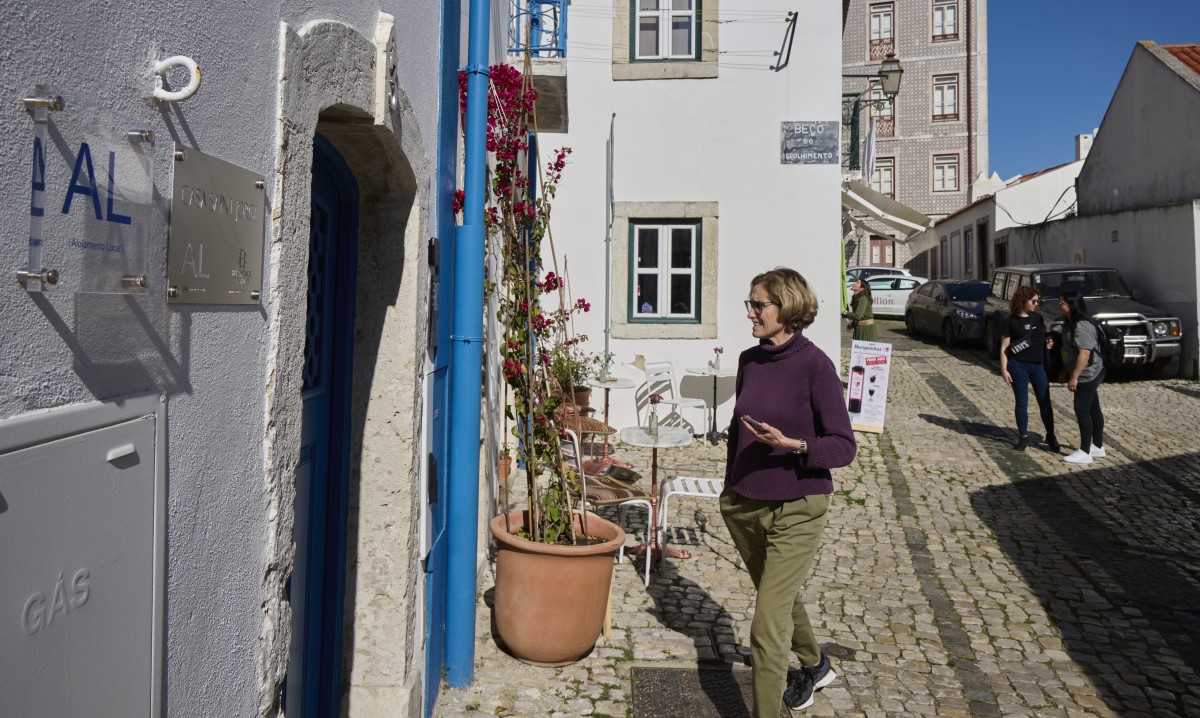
{"x":964,"y":578}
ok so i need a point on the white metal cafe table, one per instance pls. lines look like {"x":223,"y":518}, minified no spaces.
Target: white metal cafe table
{"x":667,"y":437}
{"x":713,"y":435}
{"x":607,"y":384}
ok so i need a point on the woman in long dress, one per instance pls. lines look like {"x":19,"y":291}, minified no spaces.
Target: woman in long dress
{"x":861,"y":315}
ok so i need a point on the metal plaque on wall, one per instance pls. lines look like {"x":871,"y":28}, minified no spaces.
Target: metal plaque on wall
{"x":215,"y":251}
{"x":808,"y":143}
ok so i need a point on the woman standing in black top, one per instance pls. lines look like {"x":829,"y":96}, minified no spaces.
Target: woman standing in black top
{"x":1023,"y":347}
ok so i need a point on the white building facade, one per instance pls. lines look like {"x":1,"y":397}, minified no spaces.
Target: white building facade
{"x":974,"y":241}
{"x":722,"y":168}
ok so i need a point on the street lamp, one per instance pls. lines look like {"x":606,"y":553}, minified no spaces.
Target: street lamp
{"x":888,"y":78}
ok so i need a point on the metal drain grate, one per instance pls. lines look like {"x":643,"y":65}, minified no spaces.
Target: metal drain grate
{"x":718,"y":692}
{"x":838,"y":651}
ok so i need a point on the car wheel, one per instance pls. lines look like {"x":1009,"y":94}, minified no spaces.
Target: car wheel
{"x":991,"y":339}
{"x":1158,"y":368}
{"x":910,"y":323}
{"x":948,"y":335}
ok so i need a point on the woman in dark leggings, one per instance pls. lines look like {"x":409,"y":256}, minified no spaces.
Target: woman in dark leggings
{"x":1023,"y":346}
{"x":1083,"y":372}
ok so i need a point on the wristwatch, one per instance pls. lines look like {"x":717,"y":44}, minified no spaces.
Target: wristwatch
{"x":803,"y":448}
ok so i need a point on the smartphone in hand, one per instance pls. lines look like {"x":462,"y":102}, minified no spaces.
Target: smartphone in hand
{"x":753,"y":422}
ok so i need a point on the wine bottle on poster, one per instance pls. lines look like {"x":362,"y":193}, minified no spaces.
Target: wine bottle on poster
{"x":857,"y":375}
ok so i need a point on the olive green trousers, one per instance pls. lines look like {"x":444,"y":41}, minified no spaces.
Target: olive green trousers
{"x":777,"y":541}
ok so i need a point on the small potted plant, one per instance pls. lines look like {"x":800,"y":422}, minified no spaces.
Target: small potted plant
{"x":573,"y":367}
{"x":652,"y":420}
{"x":505,"y":462}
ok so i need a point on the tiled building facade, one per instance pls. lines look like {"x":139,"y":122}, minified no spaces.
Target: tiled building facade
{"x":933,"y":139}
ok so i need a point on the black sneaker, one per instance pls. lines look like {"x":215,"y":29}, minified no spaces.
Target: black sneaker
{"x":1022,"y":443}
{"x":1052,"y":444}
{"x":799,"y":691}
{"x":822,"y":673}
{"x":802,"y":683}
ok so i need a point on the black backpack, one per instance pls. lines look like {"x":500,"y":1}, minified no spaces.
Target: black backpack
{"x":1112,"y":343}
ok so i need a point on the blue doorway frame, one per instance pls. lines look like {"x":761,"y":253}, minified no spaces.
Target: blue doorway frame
{"x":317,"y":588}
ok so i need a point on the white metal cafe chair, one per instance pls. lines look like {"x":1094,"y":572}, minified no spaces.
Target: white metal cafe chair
{"x":660,"y":379}
{"x":699,"y":486}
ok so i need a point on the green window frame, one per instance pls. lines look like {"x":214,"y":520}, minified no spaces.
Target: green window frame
{"x":665,"y":259}
{"x":663,"y":15}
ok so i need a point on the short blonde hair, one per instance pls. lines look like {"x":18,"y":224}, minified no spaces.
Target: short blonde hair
{"x":797,"y":303}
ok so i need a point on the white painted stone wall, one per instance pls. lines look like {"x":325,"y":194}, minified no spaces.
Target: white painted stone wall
{"x":271,"y":72}
{"x":1147,"y":152}
{"x":1050,"y":195}
{"x":700,"y":139}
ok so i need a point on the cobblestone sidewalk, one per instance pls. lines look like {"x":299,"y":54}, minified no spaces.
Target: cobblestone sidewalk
{"x":964,"y":577}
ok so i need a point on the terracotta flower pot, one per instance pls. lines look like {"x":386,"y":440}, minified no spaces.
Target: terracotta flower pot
{"x":549,"y":600}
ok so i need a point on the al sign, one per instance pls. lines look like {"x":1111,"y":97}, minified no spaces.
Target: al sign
{"x":808,"y":143}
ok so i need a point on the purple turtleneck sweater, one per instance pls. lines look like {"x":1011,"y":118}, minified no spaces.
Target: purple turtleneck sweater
{"x":795,"y":388}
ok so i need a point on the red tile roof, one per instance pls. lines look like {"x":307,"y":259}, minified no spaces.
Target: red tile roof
{"x":1039,"y":173}
{"x":1187,"y":54}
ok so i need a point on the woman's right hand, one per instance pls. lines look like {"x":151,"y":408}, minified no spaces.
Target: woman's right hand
{"x":1007,"y":377}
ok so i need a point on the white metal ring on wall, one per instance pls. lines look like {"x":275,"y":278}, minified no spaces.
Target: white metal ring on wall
{"x":161,"y":68}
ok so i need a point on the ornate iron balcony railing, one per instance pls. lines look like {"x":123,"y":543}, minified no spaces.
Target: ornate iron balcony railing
{"x":539,"y":26}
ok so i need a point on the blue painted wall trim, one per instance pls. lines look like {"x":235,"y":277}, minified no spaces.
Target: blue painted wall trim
{"x":446,"y":181}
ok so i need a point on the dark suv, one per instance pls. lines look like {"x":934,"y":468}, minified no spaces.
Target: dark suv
{"x":1151,"y":337}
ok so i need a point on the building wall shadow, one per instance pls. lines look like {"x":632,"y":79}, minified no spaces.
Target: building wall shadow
{"x":1113,"y":554}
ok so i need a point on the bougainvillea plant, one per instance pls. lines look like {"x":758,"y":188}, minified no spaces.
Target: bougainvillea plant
{"x":534,"y":313}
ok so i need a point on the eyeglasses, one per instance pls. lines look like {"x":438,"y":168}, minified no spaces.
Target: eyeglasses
{"x":757,"y":307}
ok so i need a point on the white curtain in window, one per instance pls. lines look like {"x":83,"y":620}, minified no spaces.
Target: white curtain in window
{"x":881,"y":22}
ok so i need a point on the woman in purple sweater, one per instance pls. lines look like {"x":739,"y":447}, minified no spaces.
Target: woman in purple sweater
{"x":790,"y":427}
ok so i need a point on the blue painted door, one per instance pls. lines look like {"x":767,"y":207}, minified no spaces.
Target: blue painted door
{"x":317,"y":586}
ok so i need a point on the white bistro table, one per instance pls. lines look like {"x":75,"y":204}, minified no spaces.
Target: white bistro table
{"x":713,"y":435}
{"x":667,"y":437}
{"x":608,"y":384}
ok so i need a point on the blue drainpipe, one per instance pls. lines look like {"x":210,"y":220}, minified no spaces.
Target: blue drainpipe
{"x":466,"y":366}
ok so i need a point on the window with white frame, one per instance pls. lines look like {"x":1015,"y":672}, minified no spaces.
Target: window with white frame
{"x":665,"y":276}
{"x":882,"y":26}
{"x":945,"y":20}
{"x":883,"y":180}
{"x":665,"y":29}
{"x":945,"y":97}
{"x":945,"y":173}
{"x":883,"y":111}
